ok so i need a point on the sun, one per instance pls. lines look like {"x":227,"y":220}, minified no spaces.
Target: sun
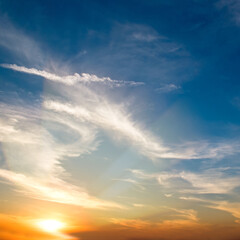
{"x":50,"y":225}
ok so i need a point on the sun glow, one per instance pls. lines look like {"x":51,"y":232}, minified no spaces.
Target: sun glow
{"x":50,"y":225}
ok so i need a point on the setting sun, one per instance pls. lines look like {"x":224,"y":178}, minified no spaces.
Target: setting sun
{"x":50,"y":225}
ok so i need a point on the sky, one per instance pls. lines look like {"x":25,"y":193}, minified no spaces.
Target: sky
{"x":119,"y":119}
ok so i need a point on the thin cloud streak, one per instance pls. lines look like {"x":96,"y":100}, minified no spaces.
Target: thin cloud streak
{"x":184,"y":217}
{"x":70,"y":79}
{"x":167,"y":88}
{"x":212,"y":181}
{"x":55,"y":190}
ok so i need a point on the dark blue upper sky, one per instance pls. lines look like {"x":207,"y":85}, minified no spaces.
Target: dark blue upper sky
{"x":196,"y":45}
{"x":186,"y":53}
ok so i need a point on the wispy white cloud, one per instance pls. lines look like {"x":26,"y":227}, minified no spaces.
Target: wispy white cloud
{"x":35,"y":156}
{"x":138,"y":205}
{"x":233,"y":7}
{"x":214,"y":181}
{"x":32,"y":146}
{"x":146,"y":37}
{"x":110,"y":117}
{"x":132,"y":181}
{"x":168,"y":88}
{"x":131,"y":223}
{"x":114,"y":119}
{"x":197,"y":188}
{"x":70,"y":79}
{"x":55,"y":190}
{"x":139,"y":32}
{"x":188,"y":214}
{"x":19,"y":44}
{"x":236,"y":102}
{"x":181,"y":217}
{"x":203,"y":149}
{"x":230,"y":207}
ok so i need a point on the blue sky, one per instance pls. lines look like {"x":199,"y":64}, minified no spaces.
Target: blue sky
{"x":109,"y":102}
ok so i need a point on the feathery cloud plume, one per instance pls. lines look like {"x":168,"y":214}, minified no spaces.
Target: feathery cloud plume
{"x":35,"y":157}
{"x":55,"y":190}
{"x":70,"y":79}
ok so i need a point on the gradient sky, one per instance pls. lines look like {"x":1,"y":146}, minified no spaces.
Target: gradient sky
{"x":120,"y":119}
